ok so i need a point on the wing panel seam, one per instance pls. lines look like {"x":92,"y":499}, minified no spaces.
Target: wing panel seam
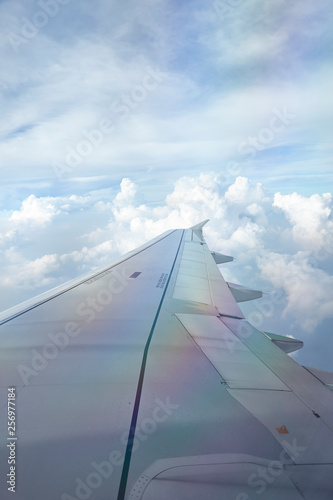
{"x":130,"y":440}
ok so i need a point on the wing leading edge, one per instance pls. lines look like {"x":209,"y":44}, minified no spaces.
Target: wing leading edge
{"x":144,"y":380}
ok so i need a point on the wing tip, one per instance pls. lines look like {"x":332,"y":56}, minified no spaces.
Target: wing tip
{"x":199,"y":226}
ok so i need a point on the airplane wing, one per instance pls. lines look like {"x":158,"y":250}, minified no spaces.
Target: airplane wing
{"x":143,"y":380}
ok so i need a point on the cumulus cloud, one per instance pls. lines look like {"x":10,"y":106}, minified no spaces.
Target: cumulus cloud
{"x":310,"y":217}
{"x":309,"y":290}
{"x":50,"y":269}
{"x":40,"y":211}
{"x":242,"y":191}
{"x":21,"y":273}
{"x":245,"y":221}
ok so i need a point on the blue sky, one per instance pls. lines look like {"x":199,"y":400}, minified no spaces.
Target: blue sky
{"x":123,"y":119}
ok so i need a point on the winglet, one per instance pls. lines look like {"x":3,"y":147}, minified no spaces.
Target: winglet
{"x":200,"y":225}
{"x":197,"y":229}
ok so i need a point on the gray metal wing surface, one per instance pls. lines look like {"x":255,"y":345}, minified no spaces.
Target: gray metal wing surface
{"x":143,"y":380}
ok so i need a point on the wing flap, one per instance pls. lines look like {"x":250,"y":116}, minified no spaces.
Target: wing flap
{"x":300,"y":381}
{"x":302,"y":435}
{"x":236,"y":364}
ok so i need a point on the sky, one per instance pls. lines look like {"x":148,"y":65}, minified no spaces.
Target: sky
{"x":121,"y":120}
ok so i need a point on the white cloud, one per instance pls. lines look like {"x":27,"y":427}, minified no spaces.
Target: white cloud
{"x":40,"y":211}
{"x":64,"y":80}
{"x":309,"y":290}
{"x":127,"y":193}
{"x":21,"y":273}
{"x":244,"y":222}
{"x":242,"y":191}
{"x":310,"y":217}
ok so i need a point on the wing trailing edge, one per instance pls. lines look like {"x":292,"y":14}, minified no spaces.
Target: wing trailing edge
{"x":324,"y":376}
